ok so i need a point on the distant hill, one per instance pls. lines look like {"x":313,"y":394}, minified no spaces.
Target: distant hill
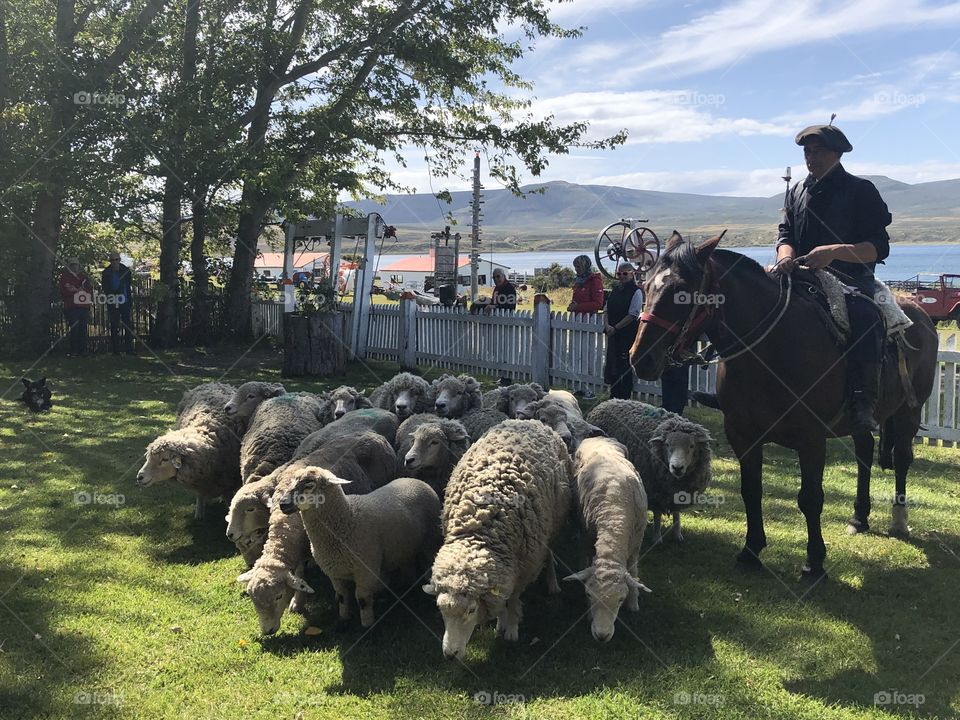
{"x":567,"y":213}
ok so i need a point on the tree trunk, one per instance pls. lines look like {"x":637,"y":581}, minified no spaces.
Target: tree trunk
{"x":35,"y":289}
{"x":313,"y":345}
{"x":200,"y":317}
{"x":165,"y":329}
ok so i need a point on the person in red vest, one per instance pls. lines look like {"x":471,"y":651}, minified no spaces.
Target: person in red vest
{"x":76,"y":291}
{"x":587,"y":288}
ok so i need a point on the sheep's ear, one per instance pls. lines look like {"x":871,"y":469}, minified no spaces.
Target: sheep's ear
{"x":338,"y":481}
{"x":275,"y":390}
{"x":637,"y":585}
{"x":656,"y":439}
{"x":41,"y":382}
{"x":430,"y":589}
{"x":298,"y":583}
{"x":363,"y":401}
{"x":458,"y":434}
{"x":596,"y":432}
{"x":26,"y":383}
{"x":582,"y":576}
{"x":245,"y":577}
{"x":538,"y":388}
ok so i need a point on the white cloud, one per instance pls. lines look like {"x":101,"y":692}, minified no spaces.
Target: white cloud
{"x":654,"y":116}
{"x":724,"y":37}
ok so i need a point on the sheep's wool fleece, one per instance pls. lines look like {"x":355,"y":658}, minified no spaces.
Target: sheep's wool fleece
{"x":510,"y":493}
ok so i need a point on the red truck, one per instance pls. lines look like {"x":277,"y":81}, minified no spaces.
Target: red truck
{"x":939,"y":295}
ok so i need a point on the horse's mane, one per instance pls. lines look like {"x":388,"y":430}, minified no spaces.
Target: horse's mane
{"x":683,"y":257}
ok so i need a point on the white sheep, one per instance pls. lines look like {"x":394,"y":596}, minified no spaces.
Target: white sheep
{"x":455,"y":395}
{"x":613,"y":517}
{"x":435,"y":449}
{"x":276,"y":429}
{"x":512,"y":399}
{"x":505,"y":504}
{"x":244,"y":401}
{"x":367,"y":460}
{"x":382,"y":422}
{"x":557,"y":415}
{"x":202,"y":451}
{"x":404,"y":394}
{"x":671,"y":453}
{"x":361,"y":539}
{"x":275,"y":583}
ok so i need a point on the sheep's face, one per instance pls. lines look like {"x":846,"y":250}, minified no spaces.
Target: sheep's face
{"x":248,"y":397}
{"x":551,"y":415}
{"x":162,"y":461}
{"x":434,"y":447}
{"x":520,"y":397}
{"x":679,"y":451}
{"x":461,"y":616}
{"x":456,"y":395}
{"x":406,"y":403}
{"x":607,"y":587}
{"x":248,"y":519}
{"x":344,"y":400}
{"x":271,"y":590}
{"x":306,"y":489}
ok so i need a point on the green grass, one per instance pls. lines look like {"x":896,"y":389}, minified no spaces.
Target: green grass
{"x":137,"y":602}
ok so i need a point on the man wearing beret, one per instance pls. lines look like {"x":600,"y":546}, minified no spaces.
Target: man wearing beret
{"x":837,"y":221}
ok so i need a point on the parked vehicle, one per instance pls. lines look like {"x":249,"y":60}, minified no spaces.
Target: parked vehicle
{"x":938,"y":295}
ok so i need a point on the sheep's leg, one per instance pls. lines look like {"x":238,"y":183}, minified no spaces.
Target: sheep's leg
{"x":633,"y":594}
{"x":368,"y":582}
{"x":198,"y":508}
{"x":342,"y":589}
{"x":553,"y":587}
{"x":657,"y":529}
{"x":508,"y":621}
{"x":677,"y":534}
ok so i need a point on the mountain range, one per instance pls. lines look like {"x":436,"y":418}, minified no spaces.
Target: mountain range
{"x":566,"y":212}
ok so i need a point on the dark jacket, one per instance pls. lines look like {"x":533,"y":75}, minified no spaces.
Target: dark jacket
{"x":504,"y":297}
{"x":588,"y":298}
{"x":840,"y":208}
{"x":117,"y":282}
{"x":618,"y":305}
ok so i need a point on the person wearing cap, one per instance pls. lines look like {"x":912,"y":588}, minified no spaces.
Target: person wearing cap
{"x":504,"y":293}
{"x":587,"y":288}
{"x":837,"y":221}
{"x":76,"y":291}
{"x":620,"y":324}
{"x":117,"y":285}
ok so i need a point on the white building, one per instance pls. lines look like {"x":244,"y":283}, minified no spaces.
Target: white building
{"x":412,"y":272}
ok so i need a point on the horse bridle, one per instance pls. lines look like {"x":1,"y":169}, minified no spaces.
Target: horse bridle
{"x":677,"y":355}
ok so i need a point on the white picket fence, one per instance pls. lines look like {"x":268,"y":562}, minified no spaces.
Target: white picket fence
{"x":557,"y":350}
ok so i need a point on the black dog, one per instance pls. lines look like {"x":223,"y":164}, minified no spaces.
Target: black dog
{"x":37,"y":395}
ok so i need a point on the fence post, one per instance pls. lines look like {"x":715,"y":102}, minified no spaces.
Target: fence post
{"x":408,"y":331}
{"x":540,"y":353}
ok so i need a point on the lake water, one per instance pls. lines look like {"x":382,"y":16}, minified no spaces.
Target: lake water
{"x":904,"y":262}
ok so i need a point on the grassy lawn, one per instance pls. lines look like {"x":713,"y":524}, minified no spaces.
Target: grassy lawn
{"x":127,"y":607}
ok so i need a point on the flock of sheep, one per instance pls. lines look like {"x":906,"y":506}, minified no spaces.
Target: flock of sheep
{"x":434,"y":477}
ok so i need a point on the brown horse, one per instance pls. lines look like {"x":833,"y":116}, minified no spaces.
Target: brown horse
{"x":781,"y":379}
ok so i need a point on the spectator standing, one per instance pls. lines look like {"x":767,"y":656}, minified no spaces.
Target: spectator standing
{"x":587,"y":288}
{"x":76,"y":291}
{"x":504,"y":293}
{"x":117,"y":285}
{"x":620,"y":325}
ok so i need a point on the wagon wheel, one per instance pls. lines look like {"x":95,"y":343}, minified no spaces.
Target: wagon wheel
{"x":642,"y":247}
{"x":610,"y":246}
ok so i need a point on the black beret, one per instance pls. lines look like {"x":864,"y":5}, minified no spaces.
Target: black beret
{"x":831,"y":136}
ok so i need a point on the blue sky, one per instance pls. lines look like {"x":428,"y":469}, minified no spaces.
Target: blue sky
{"x":712,"y":93}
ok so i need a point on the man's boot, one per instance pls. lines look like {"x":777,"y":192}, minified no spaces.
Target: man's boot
{"x":864,"y":386}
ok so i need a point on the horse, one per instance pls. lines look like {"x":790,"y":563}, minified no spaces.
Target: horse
{"x":781,"y":378}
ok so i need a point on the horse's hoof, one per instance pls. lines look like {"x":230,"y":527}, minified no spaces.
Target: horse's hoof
{"x":855,"y":527}
{"x":812,"y":575}
{"x":748,"y":560}
{"x":898,"y":522}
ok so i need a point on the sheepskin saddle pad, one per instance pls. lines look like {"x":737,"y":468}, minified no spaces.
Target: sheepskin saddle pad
{"x":830,"y":294}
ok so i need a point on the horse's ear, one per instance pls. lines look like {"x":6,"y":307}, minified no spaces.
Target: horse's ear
{"x":674,"y":240}
{"x":706,"y":248}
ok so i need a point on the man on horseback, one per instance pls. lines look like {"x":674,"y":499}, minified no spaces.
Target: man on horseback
{"x":837,"y":221}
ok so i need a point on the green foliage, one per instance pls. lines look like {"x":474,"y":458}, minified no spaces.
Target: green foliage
{"x":556,"y":276}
